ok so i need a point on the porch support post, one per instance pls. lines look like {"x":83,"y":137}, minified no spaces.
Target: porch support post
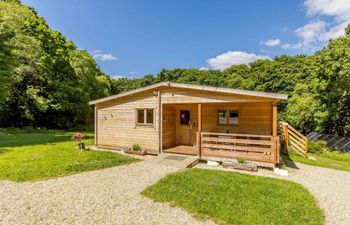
{"x":274,"y":119}
{"x":160,"y":121}
{"x":199,"y":130}
{"x":274,"y":132}
{"x":95,"y":127}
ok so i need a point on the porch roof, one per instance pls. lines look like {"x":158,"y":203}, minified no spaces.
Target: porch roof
{"x":195,"y":87}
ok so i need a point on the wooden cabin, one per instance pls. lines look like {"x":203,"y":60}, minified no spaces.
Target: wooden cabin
{"x":209,"y":122}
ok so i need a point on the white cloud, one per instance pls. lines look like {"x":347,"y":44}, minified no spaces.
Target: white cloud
{"x":230,"y":58}
{"x":311,"y":32}
{"x":338,"y":9}
{"x":271,"y":42}
{"x":118,"y":77}
{"x":317,"y":32}
{"x":292,"y":46}
{"x":99,"y":55}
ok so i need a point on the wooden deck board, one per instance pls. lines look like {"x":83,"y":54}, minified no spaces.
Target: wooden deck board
{"x":182,"y":149}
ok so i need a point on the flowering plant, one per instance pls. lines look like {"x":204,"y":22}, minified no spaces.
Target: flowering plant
{"x":78,"y":137}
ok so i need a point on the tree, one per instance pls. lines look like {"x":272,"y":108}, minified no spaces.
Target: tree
{"x":52,"y":81}
{"x":347,"y":30}
{"x":6,"y":60}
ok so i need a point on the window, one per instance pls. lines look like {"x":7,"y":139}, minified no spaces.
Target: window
{"x":233,"y":117}
{"x":145,"y":117}
{"x":227,"y":117}
{"x":184,"y":117}
{"x":222,"y":120}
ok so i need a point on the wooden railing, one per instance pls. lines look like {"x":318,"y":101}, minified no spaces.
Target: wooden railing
{"x":293,"y":139}
{"x":260,"y":148}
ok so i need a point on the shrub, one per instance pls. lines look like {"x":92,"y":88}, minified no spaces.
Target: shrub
{"x":78,"y":137}
{"x":317,"y":147}
{"x":136,"y":147}
{"x":241,"y":160}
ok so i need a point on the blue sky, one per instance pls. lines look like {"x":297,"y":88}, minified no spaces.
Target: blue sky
{"x":132,"y":38}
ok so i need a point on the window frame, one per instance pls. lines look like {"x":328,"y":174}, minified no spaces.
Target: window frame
{"x":227,"y":113}
{"x":144,"y":124}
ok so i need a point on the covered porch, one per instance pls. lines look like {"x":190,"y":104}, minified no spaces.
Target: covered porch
{"x":221,"y":130}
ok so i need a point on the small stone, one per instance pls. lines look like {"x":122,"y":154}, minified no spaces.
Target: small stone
{"x":212,"y":163}
{"x":311,"y":158}
{"x":281,"y":172}
{"x":249,"y":166}
{"x":335,"y":164}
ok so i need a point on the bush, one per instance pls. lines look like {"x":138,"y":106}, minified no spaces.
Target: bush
{"x":317,"y":147}
{"x":241,"y":160}
{"x":136,"y":147}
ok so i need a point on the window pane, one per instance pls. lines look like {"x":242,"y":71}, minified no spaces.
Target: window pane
{"x":222,"y":117}
{"x":233,"y":119}
{"x":140,"y":116}
{"x":184,"y":117}
{"x":149,"y":115}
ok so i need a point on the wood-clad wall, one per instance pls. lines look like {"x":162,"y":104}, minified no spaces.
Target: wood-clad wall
{"x":116,"y":125}
{"x":254,"y":118}
{"x":116,"y":119}
{"x":181,"y":96}
{"x":169,"y":126}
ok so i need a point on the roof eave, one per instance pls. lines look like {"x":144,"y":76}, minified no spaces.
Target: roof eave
{"x":278,"y":97}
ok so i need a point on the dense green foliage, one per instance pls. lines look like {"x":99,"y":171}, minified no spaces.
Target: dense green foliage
{"x":235,"y":198}
{"x":41,"y":155}
{"x":317,"y":147}
{"x":47,"y":82}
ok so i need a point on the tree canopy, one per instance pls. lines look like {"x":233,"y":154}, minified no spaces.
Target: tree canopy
{"x":49,"y":82}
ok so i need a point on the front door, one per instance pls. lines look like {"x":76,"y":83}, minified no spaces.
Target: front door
{"x":184,"y":125}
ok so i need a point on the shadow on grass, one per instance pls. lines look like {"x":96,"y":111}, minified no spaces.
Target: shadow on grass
{"x":4,"y":150}
{"x":26,"y":139}
{"x":288,"y":161}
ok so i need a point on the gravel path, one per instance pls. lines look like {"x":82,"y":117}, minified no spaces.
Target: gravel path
{"x":108,"y":196}
{"x":331,"y":188}
{"x":111,"y":196}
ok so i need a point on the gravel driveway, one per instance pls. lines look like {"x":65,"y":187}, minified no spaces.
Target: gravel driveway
{"x":108,"y":196}
{"x":330,"y":187}
{"x":111,"y":196}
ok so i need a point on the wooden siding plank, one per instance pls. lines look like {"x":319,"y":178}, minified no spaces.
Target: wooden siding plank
{"x":116,"y":122}
{"x":240,"y":141}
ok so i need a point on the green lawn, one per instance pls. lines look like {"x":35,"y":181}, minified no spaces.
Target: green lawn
{"x":333,"y":160}
{"x":235,"y":198}
{"x":40,"y":155}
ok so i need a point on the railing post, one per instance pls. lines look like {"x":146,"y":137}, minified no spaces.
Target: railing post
{"x":274,"y":119}
{"x":277,"y":142}
{"x":199,"y":136}
{"x":199,"y":144}
{"x":286,"y":137}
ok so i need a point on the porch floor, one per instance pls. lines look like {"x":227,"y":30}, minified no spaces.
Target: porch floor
{"x":182,"y":149}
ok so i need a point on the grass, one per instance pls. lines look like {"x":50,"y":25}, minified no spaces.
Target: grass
{"x":324,"y":155}
{"x":332,"y":160}
{"x":235,"y":198}
{"x":28,"y":156}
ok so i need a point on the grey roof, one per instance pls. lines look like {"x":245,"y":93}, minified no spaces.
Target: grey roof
{"x":195,"y":87}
